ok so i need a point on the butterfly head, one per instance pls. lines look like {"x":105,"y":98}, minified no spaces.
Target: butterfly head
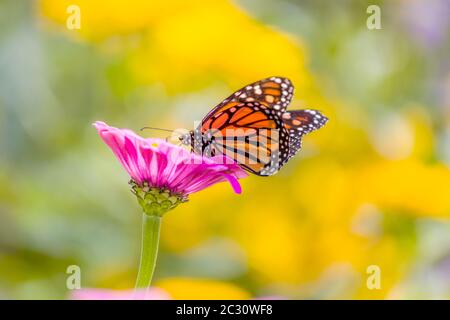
{"x":187,"y":138}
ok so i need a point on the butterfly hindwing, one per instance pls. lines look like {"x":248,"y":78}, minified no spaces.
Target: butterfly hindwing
{"x":299,"y":123}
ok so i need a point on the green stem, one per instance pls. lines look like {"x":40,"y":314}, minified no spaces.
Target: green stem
{"x":149,"y":250}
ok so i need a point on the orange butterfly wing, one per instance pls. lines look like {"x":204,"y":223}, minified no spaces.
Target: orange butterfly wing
{"x":274,"y":92}
{"x":252,"y":126}
{"x":247,"y":132}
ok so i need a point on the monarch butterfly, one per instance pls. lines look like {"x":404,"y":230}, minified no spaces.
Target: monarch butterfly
{"x":253,"y":127}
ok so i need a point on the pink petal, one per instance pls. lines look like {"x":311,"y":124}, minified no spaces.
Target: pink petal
{"x":234,"y":183}
{"x":107,"y":294}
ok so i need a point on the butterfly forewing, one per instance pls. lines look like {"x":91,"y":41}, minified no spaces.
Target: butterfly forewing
{"x":274,"y":92}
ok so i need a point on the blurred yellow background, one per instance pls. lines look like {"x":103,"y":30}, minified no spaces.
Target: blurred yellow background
{"x":370,"y":188}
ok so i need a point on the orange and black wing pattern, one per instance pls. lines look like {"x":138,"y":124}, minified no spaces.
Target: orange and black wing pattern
{"x":299,"y":123}
{"x":248,"y":132}
{"x":273,"y":92}
{"x":253,"y":127}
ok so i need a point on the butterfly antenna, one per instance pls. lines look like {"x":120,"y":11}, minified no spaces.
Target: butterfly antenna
{"x":153,"y":128}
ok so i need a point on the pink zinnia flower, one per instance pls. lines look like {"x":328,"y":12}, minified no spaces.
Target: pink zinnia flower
{"x":162,"y":176}
{"x":107,"y":294}
{"x":156,"y":165}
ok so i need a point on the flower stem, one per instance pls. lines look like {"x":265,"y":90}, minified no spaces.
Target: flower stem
{"x":149,"y":250}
